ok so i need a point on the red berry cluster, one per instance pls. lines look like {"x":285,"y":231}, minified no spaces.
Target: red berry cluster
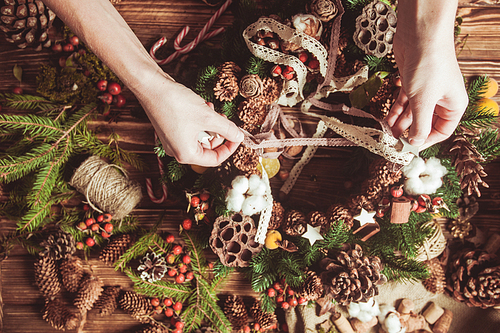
{"x":71,"y":47}
{"x":94,"y":223}
{"x":111,"y":93}
{"x":172,"y":310}
{"x":199,"y":202}
{"x":285,"y":296}
{"x":178,"y":263}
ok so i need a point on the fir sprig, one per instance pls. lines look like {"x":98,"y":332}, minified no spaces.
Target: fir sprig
{"x":198,"y":261}
{"x":148,"y":242}
{"x":487,"y":144}
{"x":160,"y":289}
{"x":28,"y":102}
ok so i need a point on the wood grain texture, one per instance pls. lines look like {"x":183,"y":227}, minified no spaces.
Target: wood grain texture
{"x":321,"y":183}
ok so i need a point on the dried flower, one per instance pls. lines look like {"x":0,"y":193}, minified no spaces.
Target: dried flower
{"x":324,"y":9}
{"x":250,"y":86}
{"x":308,"y":24}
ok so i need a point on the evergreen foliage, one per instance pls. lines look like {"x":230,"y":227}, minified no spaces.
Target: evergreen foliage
{"x":475,"y":118}
{"x":204,"y":84}
{"x":378,"y":64}
{"x":487,"y":144}
{"x":258,"y":66}
{"x":175,"y":170}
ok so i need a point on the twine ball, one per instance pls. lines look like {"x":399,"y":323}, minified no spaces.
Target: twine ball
{"x":106,"y":187}
{"x":434,"y":244}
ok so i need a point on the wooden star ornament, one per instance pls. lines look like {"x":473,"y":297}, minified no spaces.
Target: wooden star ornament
{"x":407,"y":147}
{"x":365,"y":217}
{"x":312,"y":234}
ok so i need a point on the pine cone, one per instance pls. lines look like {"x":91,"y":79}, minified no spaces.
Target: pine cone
{"x":26,"y":23}
{"x":295,"y":223}
{"x":277,"y":216}
{"x":108,"y":301}
{"x":467,"y":207}
{"x":46,"y":277}
{"x":59,"y":246}
{"x":88,"y":294}
{"x":381,"y":103}
{"x":235,"y":311}
{"x":229,"y":68}
{"x":473,"y":277}
{"x":350,"y":276}
{"x":71,"y":272}
{"x":138,"y":306}
{"x":251,"y":86}
{"x":317,"y":219}
{"x":153,"y":327}
{"x":225,"y":172}
{"x":264,"y":319}
{"x":382,"y":170}
{"x":373,"y":190}
{"x":271,"y":90}
{"x":226,"y":87}
{"x":467,"y":161}
{"x":245,"y":159}
{"x":345,"y":68}
{"x":58,"y":315}
{"x":358,"y":202}
{"x":312,"y":288}
{"x":437,"y":280}
{"x":116,"y":247}
{"x":339,"y":212}
{"x":252,"y":111}
{"x":153,"y":267}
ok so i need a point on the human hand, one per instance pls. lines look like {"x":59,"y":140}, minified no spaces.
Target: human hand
{"x":433,"y":98}
{"x":179,"y":115}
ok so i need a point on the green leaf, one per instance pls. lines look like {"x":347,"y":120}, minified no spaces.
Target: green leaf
{"x":18,"y":73}
{"x":360,"y":96}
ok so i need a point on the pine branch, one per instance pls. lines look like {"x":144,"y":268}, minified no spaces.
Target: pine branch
{"x":27,"y":102}
{"x":175,"y":170}
{"x":477,"y":88}
{"x":378,"y":64}
{"x":402,"y":270}
{"x":160,"y":289}
{"x":150,"y":241}
{"x":228,"y":109}
{"x":198,"y":261}
{"x":207,"y":302}
{"x":257,"y":66}
{"x":118,"y":155}
{"x":488,"y":144}
{"x":204,"y":84}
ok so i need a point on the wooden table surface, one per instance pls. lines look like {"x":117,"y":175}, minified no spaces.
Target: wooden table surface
{"x":20,"y":300}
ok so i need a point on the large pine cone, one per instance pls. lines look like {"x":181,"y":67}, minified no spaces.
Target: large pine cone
{"x":338,"y":212}
{"x":271,"y":90}
{"x":277,"y":216}
{"x":474,"y":278}
{"x":71,"y":272}
{"x":26,"y":23}
{"x":264,"y":319}
{"x":236,"y":312}
{"x":58,"y":315}
{"x":436,"y":282}
{"x":107,"y":303}
{"x":59,"y":246}
{"x":317,"y":219}
{"x":383,"y":171}
{"x":89,"y":293}
{"x":226,"y":87}
{"x":350,"y":276}
{"x":312,"y":288}
{"x":295,"y":223}
{"x":115,"y":248}
{"x":138,"y":306}
{"x":245,"y":159}
{"x":252,"y":111}
{"x":46,"y":277}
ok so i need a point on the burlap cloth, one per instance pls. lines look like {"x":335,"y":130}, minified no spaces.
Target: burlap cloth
{"x":465,"y":319}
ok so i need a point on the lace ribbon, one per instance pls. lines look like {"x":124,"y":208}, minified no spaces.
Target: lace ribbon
{"x":265,"y":215}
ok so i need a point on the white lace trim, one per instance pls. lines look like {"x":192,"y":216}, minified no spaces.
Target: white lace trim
{"x":291,"y":94}
{"x":265,"y":215}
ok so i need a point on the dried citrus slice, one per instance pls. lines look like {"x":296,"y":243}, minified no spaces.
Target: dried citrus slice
{"x":271,"y":165}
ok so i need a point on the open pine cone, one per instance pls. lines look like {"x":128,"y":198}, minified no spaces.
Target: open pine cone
{"x":152,"y":267}
{"x":350,"y":276}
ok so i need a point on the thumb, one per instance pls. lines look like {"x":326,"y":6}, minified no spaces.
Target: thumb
{"x":225,"y":128}
{"x":422,"y":110}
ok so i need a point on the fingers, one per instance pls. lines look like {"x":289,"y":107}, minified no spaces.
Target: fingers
{"x":400,"y":116}
{"x":225,"y":128}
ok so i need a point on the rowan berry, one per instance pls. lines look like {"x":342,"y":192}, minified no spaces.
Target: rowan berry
{"x":119,"y":101}
{"x":167,"y":301}
{"x":114,"y":88}
{"x":104,"y":234}
{"x":186,"y":259}
{"x":183,"y":268}
{"x":169,"y":312}
{"x":170,"y":238}
{"x":17,"y":90}
{"x":172,"y":272}
{"x":271,"y":292}
{"x":180,"y":278}
{"x":177,"y":250}
{"x":195,"y":201}
{"x":179,"y":325}
{"x":189,"y":276}
{"x":187,"y":224}
{"x":82,"y":226}
{"x":79,"y":245}
{"x":170,"y":258}
{"x":90,"y":241}
{"x":89,"y":221}
{"x":74,"y":40}
{"x":293,"y":301}
{"x":100,"y":218}
{"x":94,"y":227}
{"x":106,"y":98}
{"x":108,"y":217}
{"x":177,"y":306}
{"x":108,"y":227}
{"x":302,"y":300}
{"x":57,"y":48}
{"x":290,"y":292}
{"x":204,"y":196}
{"x":68,"y":48}
{"x":155,"y":301}
{"x":285,"y":305}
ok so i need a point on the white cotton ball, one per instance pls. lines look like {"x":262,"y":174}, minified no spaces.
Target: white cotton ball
{"x":234,"y":200}
{"x":240,"y":184}
{"x":354,"y":309}
{"x":366,"y":306}
{"x":256,"y":185}
{"x":414,"y":186}
{"x":415,"y":168}
{"x":392,"y":324}
{"x":434,"y":167}
{"x":384,"y":310}
{"x":431,"y":184}
{"x":374,"y":311}
{"x":364,"y":316}
{"x":253,"y":205}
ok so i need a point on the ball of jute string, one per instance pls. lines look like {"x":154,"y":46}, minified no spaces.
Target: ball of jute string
{"x":434,"y":244}
{"x":106,"y":187}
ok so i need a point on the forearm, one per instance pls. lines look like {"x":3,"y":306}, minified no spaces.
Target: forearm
{"x":107,"y":34}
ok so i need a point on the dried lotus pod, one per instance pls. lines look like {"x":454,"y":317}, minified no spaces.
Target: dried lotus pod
{"x":375,"y":29}
{"x":233,"y":240}
{"x":250,"y":86}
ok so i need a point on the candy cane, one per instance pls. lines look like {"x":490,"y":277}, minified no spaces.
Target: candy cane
{"x":149,"y":184}
{"x":202,"y":36}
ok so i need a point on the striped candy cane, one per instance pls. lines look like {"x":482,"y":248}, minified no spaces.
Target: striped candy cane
{"x":202,"y":36}
{"x":149,"y":184}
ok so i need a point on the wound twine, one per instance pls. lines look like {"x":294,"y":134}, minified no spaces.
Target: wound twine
{"x":106,"y":187}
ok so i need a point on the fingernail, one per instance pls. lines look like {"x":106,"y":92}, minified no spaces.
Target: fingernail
{"x":416,"y":142}
{"x":240,"y":136}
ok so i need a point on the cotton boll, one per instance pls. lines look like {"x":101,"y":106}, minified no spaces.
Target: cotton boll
{"x":234,"y":200}
{"x":414,"y":186}
{"x":256,"y":185}
{"x":434,"y":167}
{"x":384,"y":310}
{"x":431,"y":184}
{"x":253,"y":205}
{"x":392,"y":324}
{"x":415,"y":168}
{"x":354,"y":309}
{"x":240,"y":184}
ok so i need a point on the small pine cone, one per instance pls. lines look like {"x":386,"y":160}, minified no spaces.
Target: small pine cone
{"x":295,"y":223}
{"x":436,"y":283}
{"x":251,"y":86}
{"x":107,"y":303}
{"x":378,"y":104}
{"x":358,"y":202}
{"x":252,"y":111}
{"x":228,"y":68}
{"x":58,"y":316}
{"x":250,"y":128}
{"x":312,"y":288}
{"x":115,"y":248}
{"x":317,"y":219}
{"x":153,"y":327}
{"x":373,"y":190}
{"x":382,"y":170}
{"x":339,"y":212}
{"x":71,"y":272}
{"x":26,"y":23}
{"x":271,"y":90}
{"x":138,"y":306}
{"x":226,"y":88}
{"x":264,"y":319}
{"x":245,"y":159}
{"x":88,"y":294}
{"x":236,"y":312}
{"x":277,"y":216}
{"x":59,"y":246}
{"x":46,"y":277}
